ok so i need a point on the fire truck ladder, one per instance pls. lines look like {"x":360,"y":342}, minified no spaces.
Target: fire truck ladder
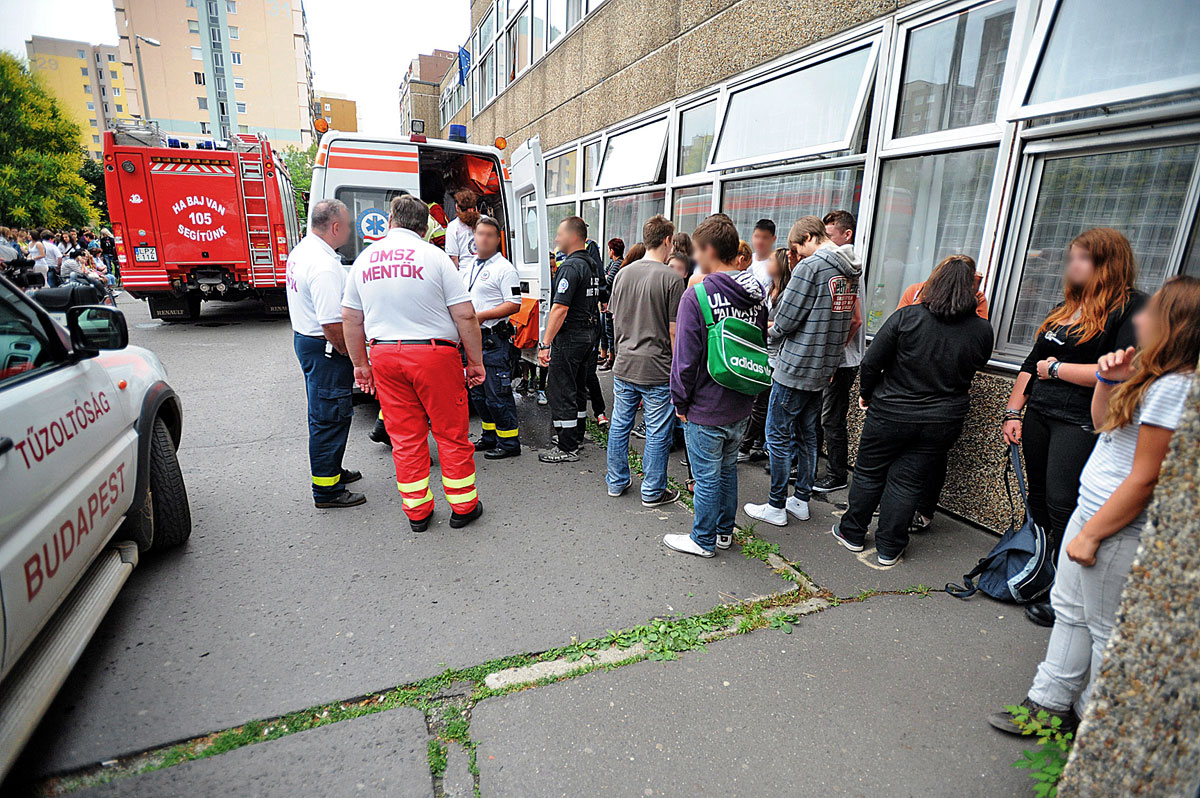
{"x":258,"y":223}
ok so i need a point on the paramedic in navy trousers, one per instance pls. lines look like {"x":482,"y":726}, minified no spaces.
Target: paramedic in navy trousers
{"x":315,"y":279}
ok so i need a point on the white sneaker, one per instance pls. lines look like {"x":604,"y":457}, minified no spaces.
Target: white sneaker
{"x":797,"y":508}
{"x":724,"y":541}
{"x":765,"y":512}
{"x":685,"y":544}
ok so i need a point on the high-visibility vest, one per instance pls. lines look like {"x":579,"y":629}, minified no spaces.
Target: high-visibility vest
{"x":434,"y":227}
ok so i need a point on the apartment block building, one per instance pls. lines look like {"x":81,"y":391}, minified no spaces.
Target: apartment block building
{"x":213,"y":68}
{"x":338,"y":110}
{"x":421,"y":89}
{"x":89,"y":80}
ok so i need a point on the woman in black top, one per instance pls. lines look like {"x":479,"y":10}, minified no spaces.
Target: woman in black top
{"x":914,"y":382}
{"x":1054,"y":388}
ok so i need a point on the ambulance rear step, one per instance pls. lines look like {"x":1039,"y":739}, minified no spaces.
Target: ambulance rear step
{"x":27,"y":692}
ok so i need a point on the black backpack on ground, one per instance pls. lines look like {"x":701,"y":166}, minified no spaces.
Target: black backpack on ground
{"x":1020,"y":567}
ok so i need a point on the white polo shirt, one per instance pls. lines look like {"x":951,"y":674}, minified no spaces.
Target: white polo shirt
{"x":315,"y":282}
{"x":404,"y":286}
{"x":491,"y":283}
{"x":460,"y":242}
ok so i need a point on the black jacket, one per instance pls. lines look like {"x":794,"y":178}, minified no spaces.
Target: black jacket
{"x":919,"y":368}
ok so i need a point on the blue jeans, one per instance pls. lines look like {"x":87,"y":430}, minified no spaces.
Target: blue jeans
{"x":792,"y":419}
{"x":659,"y":413}
{"x":713,"y":452}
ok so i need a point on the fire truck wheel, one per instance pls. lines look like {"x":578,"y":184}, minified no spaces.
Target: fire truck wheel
{"x":193,"y":306}
{"x":168,"y":496}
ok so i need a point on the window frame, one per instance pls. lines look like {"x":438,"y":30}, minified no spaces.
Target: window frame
{"x":643,"y":122}
{"x":917,"y":18}
{"x":805,"y":60}
{"x":1020,"y":109}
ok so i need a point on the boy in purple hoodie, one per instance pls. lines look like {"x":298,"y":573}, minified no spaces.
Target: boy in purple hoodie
{"x":714,"y":418}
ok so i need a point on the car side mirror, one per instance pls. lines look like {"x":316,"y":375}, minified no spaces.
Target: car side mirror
{"x":96,"y":327}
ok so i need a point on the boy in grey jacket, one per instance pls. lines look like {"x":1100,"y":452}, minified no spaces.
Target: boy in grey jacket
{"x":812,"y":325}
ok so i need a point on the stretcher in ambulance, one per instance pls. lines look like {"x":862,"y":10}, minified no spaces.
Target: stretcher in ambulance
{"x":366,"y":172}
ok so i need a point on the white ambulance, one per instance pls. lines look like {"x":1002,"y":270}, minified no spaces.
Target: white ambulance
{"x":366,"y":172}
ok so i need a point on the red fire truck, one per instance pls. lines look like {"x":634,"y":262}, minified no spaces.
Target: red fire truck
{"x":209,"y":222}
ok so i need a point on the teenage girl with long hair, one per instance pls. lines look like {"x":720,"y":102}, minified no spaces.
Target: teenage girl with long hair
{"x":1136,"y":405}
{"x":1054,"y":388}
{"x":779,"y":270}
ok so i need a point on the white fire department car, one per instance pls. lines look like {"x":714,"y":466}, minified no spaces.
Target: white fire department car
{"x":88,"y":478}
{"x":366,"y":172}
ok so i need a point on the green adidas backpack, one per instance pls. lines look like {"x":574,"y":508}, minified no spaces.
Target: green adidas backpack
{"x":737,"y":357}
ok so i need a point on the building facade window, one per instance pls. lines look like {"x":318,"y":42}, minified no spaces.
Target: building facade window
{"x":198,"y":77}
{"x":80,"y":54}
{"x":785,"y":198}
{"x":202,"y":103}
{"x":87,"y":89}
{"x":561,"y":175}
{"x":234,"y":33}
{"x":91,"y":106}
{"x":241,"y":109}
{"x":696,"y":128}
{"x":591,"y":165}
{"x":239,"y":83}
{"x":95,"y":139}
{"x":691,"y":205}
{"x":197,"y":54}
{"x":116,"y":91}
{"x":235,"y":57}
{"x":230,"y":6}
{"x":120,"y":108}
{"x":625,"y":215}
{"x":84,"y":71}
{"x":193,"y":26}
{"x":111,"y":57}
{"x":634,"y":157}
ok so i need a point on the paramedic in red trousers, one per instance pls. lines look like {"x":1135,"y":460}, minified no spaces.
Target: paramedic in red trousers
{"x":568,"y":341}
{"x":495,"y":289}
{"x":404,"y":295}
{"x":315,"y":280}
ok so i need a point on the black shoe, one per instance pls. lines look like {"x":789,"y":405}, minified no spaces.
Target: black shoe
{"x":379,"y":434}
{"x":343,"y":499}
{"x":557,"y":455}
{"x":1003,"y":720}
{"x":919,"y":523}
{"x":459,"y":520}
{"x":349,"y":475}
{"x":500,"y":454}
{"x":421,"y":525}
{"x":1041,"y":613}
{"x":639,"y":431}
{"x":666,"y":497}
{"x":482,"y":446}
{"x":828,"y":484}
{"x":683,"y":461}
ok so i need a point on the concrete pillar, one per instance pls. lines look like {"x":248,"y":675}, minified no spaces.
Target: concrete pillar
{"x":1141,"y":733}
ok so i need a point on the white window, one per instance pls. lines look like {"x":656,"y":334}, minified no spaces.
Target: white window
{"x":539,"y":28}
{"x":193,"y":26}
{"x":591,"y":164}
{"x":112,"y":74}
{"x":326,"y":107}
{"x":120,"y":108}
{"x":634,"y":156}
{"x":204,"y":128}
{"x":928,"y":207}
{"x":558,"y":19}
{"x":214,"y":33}
{"x":95,"y":139}
{"x":84,"y":70}
{"x":239,"y":83}
{"x":202,"y":102}
{"x":97,"y":58}
{"x":1070,"y":68}
{"x":103,"y":91}
{"x":625,"y":215}
{"x":696,"y":128}
{"x":1140,"y":192}
{"x":231,"y":6}
{"x":116,"y":91}
{"x":691,"y":205}
{"x":190,"y":3}
{"x":87,"y":89}
{"x":560,"y":174}
{"x":222,"y":109}
{"x":94,"y":123}
{"x":218,"y":59}
{"x":106,"y":108}
{"x":235,"y":57}
{"x":785,"y":198}
{"x":199,"y":78}
{"x":112,"y":57}
{"x":91,"y":106}
{"x":953,"y":70}
{"x":234,"y":33}
{"x":197,"y":54}
{"x":758,"y":126}
{"x":243,"y":128}
{"x":241,"y":108}
{"x":80,"y":54}
{"x":487,"y":29}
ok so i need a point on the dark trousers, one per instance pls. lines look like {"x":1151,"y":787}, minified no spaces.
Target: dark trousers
{"x":894,"y":460}
{"x":567,"y":384}
{"x":756,"y":430}
{"x":1055,"y":454}
{"x":593,"y":382}
{"x":932,"y":490}
{"x":328,"y":379}
{"x":494,"y":399}
{"x":835,"y":404}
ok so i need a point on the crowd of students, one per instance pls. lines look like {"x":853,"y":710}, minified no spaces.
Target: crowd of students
{"x":1093,"y":407}
{"x":49,"y":258}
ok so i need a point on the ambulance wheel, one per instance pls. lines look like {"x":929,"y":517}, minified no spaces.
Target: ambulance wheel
{"x":167,"y":497}
{"x":193,"y":306}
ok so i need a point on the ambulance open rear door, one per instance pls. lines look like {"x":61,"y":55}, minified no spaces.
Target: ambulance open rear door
{"x":532,"y":237}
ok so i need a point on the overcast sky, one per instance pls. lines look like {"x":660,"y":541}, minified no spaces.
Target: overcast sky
{"x":360,"y":48}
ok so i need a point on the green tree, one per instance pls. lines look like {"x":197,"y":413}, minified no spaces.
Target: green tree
{"x":93,"y":173}
{"x":300,"y":166}
{"x":40,"y":156}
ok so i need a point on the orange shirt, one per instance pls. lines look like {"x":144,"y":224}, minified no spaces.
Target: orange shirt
{"x":912,"y":295}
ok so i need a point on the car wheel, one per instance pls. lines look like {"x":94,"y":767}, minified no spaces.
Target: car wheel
{"x":167,"y":500}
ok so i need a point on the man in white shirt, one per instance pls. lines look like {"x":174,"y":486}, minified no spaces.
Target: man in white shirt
{"x":315,"y":280}
{"x":762,"y":242}
{"x":495,"y":289}
{"x":404,"y":295}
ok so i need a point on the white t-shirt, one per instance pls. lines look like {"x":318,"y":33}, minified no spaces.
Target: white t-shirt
{"x":491,"y":283}
{"x":1112,"y":458}
{"x":49,"y":261}
{"x":315,"y":282}
{"x":460,"y":242}
{"x":404,"y":285}
{"x":759,"y":269}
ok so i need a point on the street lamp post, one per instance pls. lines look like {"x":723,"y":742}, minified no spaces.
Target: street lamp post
{"x":137,"y":49}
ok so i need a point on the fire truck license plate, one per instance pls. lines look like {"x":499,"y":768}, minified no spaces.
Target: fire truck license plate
{"x":145,"y":254}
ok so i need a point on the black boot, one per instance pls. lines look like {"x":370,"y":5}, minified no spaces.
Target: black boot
{"x":379,"y":434}
{"x":1041,"y":613}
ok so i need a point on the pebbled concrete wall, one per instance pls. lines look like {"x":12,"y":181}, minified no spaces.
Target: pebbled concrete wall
{"x":1141,"y":733}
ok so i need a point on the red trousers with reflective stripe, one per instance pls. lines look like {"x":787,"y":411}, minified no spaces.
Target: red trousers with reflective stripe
{"x":421,"y":388}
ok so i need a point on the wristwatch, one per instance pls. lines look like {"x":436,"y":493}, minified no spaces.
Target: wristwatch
{"x":1052,"y":370}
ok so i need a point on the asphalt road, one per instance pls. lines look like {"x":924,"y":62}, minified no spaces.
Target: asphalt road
{"x":274,"y":606}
